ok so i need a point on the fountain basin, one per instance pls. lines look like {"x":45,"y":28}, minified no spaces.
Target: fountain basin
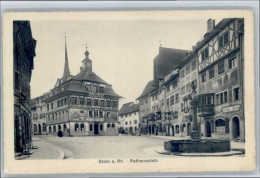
{"x":197,"y":146}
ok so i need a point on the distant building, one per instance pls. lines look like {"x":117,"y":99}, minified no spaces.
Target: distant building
{"x":38,"y":115}
{"x":152,"y":99}
{"x":145,"y":106}
{"x":24,"y":52}
{"x":128,"y":117}
{"x":83,"y":104}
{"x":221,"y":62}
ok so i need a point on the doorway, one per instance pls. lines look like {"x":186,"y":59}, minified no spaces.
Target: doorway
{"x":208,"y":129}
{"x":40,"y":129}
{"x":236,"y":130}
{"x":96,"y":129}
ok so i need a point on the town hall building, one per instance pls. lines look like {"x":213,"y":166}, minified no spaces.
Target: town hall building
{"x":83,"y":104}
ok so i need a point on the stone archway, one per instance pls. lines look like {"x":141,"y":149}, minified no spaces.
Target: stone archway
{"x":236,"y":127}
{"x":207,"y":129}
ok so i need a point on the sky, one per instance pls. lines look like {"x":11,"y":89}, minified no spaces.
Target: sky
{"x":122,"y":51}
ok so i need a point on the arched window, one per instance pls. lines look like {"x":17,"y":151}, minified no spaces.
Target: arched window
{"x":59,"y":127}
{"x":76,"y":127}
{"x":49,"y":129}
{"x":220,"y":126}
{"x":82,"y":127}
{"x":113,"y":125}
{"x":54,"y":129}
{"x":126,"y":123}
{"x":108,"y":125}
{"x":101,"y":127}
{"x":90,"y":127}
{"x":34,"y":128}
{"x":44,"y":127}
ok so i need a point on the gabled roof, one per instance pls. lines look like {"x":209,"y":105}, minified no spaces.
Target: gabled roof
{"x":167,"y":60}
{"x":148,"y":88}
{"x":128,"y":108}
{"x":217,"y":29}
{"x":89,"y":76}
{"x":110,"y":92}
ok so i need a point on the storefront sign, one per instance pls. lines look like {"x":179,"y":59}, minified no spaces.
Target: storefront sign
{"x":231,"y":108}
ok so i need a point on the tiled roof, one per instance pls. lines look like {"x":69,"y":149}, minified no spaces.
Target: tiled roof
{"x":90,"y":76}
{"x":148,"y":88}
{"x":110,"y":92}
{"x":128,"y":108}
{"x":167,"y":60}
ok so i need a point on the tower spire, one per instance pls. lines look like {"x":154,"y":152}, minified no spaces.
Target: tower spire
{"x":66,"y":72}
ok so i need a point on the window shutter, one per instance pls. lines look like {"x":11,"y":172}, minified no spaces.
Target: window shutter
{"x":227,"y":125}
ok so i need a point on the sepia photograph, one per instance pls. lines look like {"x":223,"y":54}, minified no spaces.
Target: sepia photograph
{"x":130,"y":89}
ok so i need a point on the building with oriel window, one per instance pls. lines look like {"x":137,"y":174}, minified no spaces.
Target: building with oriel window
{"x":221,"y":60}
{"x":128,"y":117}
{"x":83,"y":104}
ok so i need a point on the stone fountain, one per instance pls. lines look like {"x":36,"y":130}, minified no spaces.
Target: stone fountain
{"x":196,"y":144}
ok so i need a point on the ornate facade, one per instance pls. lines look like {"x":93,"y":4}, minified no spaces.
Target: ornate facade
{"x":221,"y":61}
{"x":215,"y":69}
{"x":83,"y":104}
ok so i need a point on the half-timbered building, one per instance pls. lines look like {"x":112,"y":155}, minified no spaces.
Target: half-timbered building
{"x":220,"y":68}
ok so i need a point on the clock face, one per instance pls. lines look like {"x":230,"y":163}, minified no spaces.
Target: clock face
{"x":88,"y":64}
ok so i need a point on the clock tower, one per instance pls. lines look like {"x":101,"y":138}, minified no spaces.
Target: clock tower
{"x":87,"y":63}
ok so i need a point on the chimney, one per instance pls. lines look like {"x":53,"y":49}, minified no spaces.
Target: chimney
{"x":210,"y":26}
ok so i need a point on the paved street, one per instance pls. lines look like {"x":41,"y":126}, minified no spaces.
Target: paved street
{"x":95,"y":147}
{"x":106,"y":146}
